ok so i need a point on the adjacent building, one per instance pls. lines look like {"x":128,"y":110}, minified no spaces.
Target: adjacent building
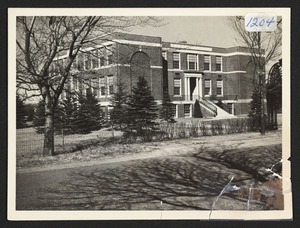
{"x":211,"y":75}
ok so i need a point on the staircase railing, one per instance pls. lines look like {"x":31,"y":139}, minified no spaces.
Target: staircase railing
{"x":209,"y":106}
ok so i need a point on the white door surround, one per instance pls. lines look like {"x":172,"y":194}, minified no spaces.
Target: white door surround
{"x":197,"y":92}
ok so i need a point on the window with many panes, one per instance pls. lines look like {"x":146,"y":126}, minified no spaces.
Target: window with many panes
{"x":207,"y":87}
{"x":174,"y":110}
{"x":94,"y":87}
{"x":192,"y":61}
{"x":80,"y":62}
{"x":230,"y":108}
{"x":94,"y":57}
{"x":109,"y":55}
{"x":206,"y":62}
{"x":110,"y":85}
{"x":74,"y":66}
{"x":218,"y":63}
{"x":102,"y":86}
{"x":85,"y":86}
{"x":75,"y":83}
{"x":87,"y":61}
{"x":219,"y":87}
{"x":176,"y":60}
{"x":187,"y":110}
{"x":177,"y":86}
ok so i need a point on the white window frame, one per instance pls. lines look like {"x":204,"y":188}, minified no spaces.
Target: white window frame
{"x":85,"y":55}
{"x":109,"y":93}
{"x":222,"y":88}
{"x":221,"y":70}
{"x":209,"y":62}
{"x":180,"y":87}
{"x":176,"y":110}
{"x":207,"y":95}
{"x":100,"y":95}
{"x":188,"y":62}
{"x":93,"y":84}
{"x":109,"y":53}
{"x":94,"y":54}
{"x":75,"y":61}
{"x":179,"y":56}
{"x":190,"y":111}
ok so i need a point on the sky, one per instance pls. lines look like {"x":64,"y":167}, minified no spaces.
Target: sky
{"x":210,"y":31}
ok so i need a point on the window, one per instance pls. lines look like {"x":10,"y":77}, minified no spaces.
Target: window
{"x":192,"y":62}
{"x":94,"y":58}
{"x":102,"y":86}
{"x":218,"y":63}
{"x":101,"y":57}
{"x":230,"y":108}
{"x":176,"y":60}
{"x":164,"y":55}
{"x":80,"y":62}
{"x":207,"y":87}
{"x":219,"y":87}
{"x":177,"y":87}
{"x":94,"y":87}
{"x":85,"y":86}
{"x":206,"y":62}
{"x":102,"y":61}
{"x":174,"y":110}
{"x":187,"y":110}
{"x":87,"y":61}
{"x":75,"y":83}
{"x":110,"y":85}
{"x":109,"y":55}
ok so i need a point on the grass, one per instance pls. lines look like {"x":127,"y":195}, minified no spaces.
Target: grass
{"x":96,"y":145}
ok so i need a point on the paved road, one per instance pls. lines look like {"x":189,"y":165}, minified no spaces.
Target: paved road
{"x":186,"y":181}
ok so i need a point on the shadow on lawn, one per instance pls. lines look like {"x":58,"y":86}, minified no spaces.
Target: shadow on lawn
{"x":183,"y":183}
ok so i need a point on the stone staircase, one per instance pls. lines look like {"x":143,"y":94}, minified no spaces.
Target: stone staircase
{"x":221,"y":113}
{"x":213,"y":110}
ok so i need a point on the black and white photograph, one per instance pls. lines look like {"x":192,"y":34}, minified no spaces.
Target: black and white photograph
{"x":149,"y":114}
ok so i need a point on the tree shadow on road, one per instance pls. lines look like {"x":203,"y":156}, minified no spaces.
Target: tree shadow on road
{"x":188,"y":182}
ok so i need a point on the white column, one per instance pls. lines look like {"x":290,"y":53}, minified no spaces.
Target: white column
{"x":185,"y":87}
{"x":200,"y":87}
{"x":188,"y":88}
{"x":197,"y":88}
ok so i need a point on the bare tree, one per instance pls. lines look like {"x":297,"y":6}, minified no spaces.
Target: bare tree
{"x":40,"y":40}
{"x":265,"y":47}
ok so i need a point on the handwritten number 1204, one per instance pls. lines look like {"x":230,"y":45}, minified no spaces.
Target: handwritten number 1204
{"x":259,"y":22}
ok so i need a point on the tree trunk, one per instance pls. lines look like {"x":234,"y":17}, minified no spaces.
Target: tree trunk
{"x":48,"y":149}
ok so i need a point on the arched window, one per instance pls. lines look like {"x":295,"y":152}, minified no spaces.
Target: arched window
{"x":139,"y":66}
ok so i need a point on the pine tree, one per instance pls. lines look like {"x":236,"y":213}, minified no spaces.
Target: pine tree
{"x":197,"y":110}
{"x":65,"y":115}
{"x":119,"y":101}
{"x":39,"y":117}
{"x":142,"y":110}
{"x":21,"y":112}
{"x":166,"y":112}
{"x":255,"y":109}
{"x":88,"y":117}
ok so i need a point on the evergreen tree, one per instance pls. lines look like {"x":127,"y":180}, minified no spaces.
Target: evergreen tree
{"x":166,"y":112}
{"x":255,"y":109}
{"x":21,"y":112}
{"x":39,"y":117}
{"x":142,"y":110}
{"x":88,"y":117}
{"x":119,"y":101}
{"x":65,"y":116}
{"x":29,"y":108}
{"x":197,"y":110}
